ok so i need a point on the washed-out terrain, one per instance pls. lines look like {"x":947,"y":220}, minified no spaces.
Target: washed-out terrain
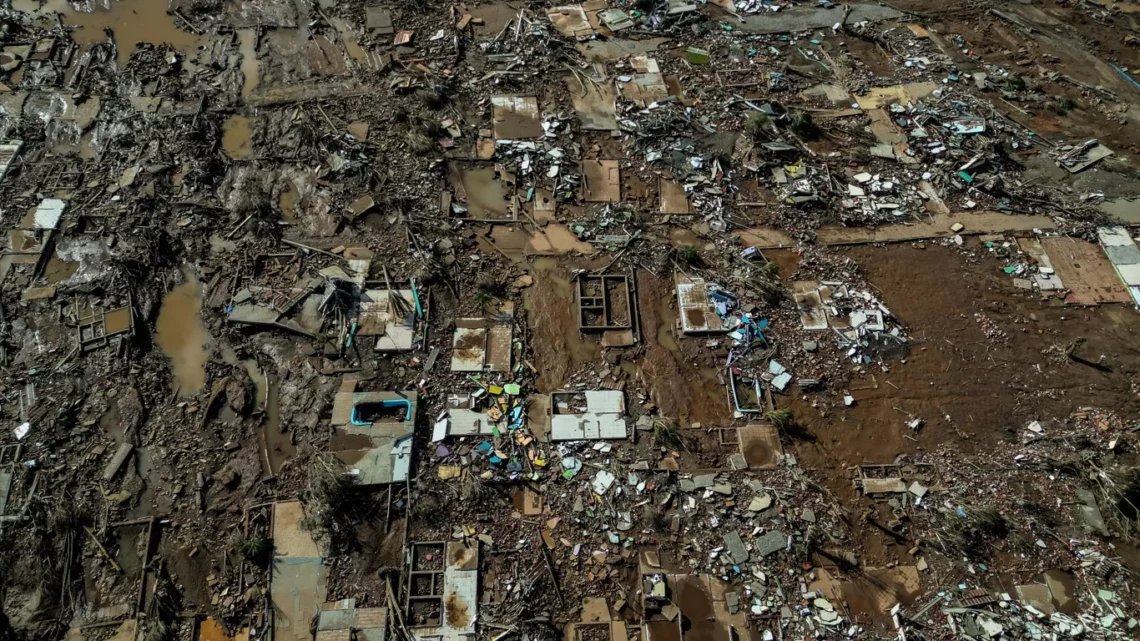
{"x":628,"y":320}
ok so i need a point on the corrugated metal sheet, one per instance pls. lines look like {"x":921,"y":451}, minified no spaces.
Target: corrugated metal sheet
{"x":1085,"y":271}
{"x":884,"y":486}
{"x":468,"y":349}
{"x":370,"y":624}
{"x":760,"y":445}
{"x":499,"y":348}
{"x":583,"y":427}
{"x":460,"y":599}
{"x":515,"y":117}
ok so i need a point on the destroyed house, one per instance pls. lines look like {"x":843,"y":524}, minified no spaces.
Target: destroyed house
{"x":372,"y":433}
{"x":443,"y":591}
{"x":701,"y":310}
{"x":590,"y":415}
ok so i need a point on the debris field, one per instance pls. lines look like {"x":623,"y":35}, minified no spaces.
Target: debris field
{"x":627,"y":320}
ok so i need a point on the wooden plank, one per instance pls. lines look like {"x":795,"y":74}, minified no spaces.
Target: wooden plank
{"x":117,"y":461}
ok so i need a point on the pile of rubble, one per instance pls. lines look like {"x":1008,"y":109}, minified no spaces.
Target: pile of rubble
{"x":344,"y":321}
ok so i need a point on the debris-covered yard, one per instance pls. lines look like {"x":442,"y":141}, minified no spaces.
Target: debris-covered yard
{"x":628,"y":320}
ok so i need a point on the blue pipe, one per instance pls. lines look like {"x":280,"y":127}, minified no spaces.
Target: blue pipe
{"x":416,"y":298}
{"x":1126,"y":76}
{"x":355,"y":417}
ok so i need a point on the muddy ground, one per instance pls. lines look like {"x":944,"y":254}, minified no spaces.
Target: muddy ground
{"x":972,"y":391}
{"x":212,"y":155}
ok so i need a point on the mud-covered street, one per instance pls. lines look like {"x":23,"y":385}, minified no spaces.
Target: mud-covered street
{"x":628,"y":320}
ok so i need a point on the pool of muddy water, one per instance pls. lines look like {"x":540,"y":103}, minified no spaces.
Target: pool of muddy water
{"x":182,"y":336}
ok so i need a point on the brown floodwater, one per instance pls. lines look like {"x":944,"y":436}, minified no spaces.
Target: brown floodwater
{"x":556,"y":238}
{"x":247,"y":41}
{"x":182,"y":336}
{"x":287,"y":201}
{"x":666,"y":336}
{"x":237,"y":137}
{"x":487,"y":196}
{"x":682,"y":237}
{"x":132,"y":21}
{"x":279,"y":446}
